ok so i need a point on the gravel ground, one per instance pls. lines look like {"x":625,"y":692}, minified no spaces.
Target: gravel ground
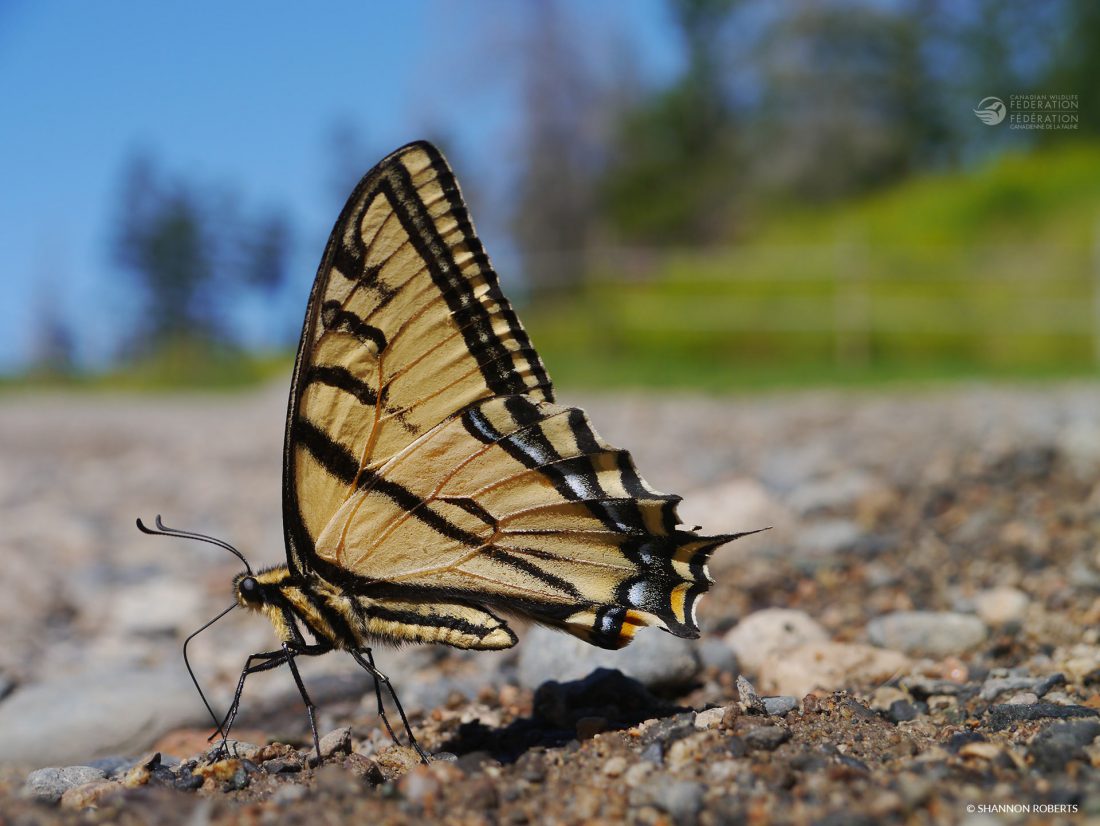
{"x":914,"y":641}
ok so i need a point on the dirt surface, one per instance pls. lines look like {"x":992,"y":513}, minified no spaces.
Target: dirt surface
{"x":937,"y":659}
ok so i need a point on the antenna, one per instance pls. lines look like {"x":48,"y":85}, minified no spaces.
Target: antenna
{"x":164,"y":530}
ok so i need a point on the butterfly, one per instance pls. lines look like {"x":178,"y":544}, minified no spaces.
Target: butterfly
{"x":431,"y":485}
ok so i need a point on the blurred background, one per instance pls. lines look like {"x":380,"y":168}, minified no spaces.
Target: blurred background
{"x":699,"y":193}
{"x":682,"y":195}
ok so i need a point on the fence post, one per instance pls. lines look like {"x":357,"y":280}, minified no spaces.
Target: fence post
{"x":851,"y":304}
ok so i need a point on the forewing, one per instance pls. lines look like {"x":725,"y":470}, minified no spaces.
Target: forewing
{"x":406,"y":325}
{"x":517,"y":503}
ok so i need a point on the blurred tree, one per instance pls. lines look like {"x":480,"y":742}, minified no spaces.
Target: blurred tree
{"x":1075,"y":67}
{"x":673,"y":172}
{"x":847,"y":101}
{"x":191,"y":253}
{"x":160,"y":238}
{"x":267,"y":250}
{"x":555,"y":208}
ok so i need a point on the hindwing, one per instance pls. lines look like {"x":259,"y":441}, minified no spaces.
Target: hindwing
{"x":518,"y":504}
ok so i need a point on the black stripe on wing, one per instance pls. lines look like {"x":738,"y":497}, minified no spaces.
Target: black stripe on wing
{"x":343,"y":379}
{"x":330,"y":454}
{"x":462,"y":216}
{"x":469,"y":314}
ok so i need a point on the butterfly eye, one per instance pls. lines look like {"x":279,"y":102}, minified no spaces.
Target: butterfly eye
{"x":250,"y":589}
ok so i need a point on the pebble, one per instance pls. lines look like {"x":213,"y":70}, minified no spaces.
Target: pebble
{"x":1078,"y":662}
{"x":825,"y":537}
{"x":1024,"y":698}
{"x":829,"y":666}
{"x":419,"y":785}
{"x":1006,"y":716}
{"x":680,"y":799}
{"x":747,"y":699}
{"x":105,"y":713}
{"x":769,"y":632}
{"x":288,"y":793}
{"x":925,"y":687}
{"x":47,"y":785}
{"x":779,"y":706}
{"x":981,"y":750}
{"x":637,"y":774}
{"x":88,"y":794}
{"x":902,"y":711}
{"x":115,"y":765}
{"x":709,"y":718}
{"x":1000,"y":606}
{"x":827,"y":494}
{"x":942,"y":702}
{"x":935,"y":634}
{"x":615,"y":766}
{"x":886,"y":695}
{"x":1059,"y":743}
{"x":655,"y":659}
{"x":336,"y":742}
{"x":994,"y":687}
{"x":766,"y":738}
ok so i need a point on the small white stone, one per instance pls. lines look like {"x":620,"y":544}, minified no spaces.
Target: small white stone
{"x":708,"y":719}
{"x":829,"y":666}
{"x":998,"y":606}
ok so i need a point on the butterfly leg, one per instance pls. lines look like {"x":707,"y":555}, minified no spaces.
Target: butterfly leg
{"x":310,"y":708}
{"x":268,"y":660}
{"x":381,"y":679}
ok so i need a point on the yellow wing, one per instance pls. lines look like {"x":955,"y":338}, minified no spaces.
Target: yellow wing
{"x":519,"y":505}
{"x":427,"y":474}
{"x":406,"y":325}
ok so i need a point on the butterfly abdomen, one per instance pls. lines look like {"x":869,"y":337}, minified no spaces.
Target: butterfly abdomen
{"x":309,"y":605}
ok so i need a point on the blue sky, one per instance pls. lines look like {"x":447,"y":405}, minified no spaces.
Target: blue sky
{"x":245,"y":95}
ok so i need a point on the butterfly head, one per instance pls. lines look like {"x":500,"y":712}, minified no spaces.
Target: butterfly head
{"x":249,"y":591}
{"x":257,"y":591}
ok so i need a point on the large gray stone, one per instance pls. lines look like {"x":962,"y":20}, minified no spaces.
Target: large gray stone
{"x":656,"y":659}
{"x":98,"y":714}
{"x":47,"y":785}
{"x":927,"y":633}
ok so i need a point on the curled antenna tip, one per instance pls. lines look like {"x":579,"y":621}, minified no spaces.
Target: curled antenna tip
{"x":164,"y":530}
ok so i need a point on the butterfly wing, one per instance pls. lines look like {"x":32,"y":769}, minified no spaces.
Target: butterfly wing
{"x":518,"y":504}
{"x":427,"y":471}
{"x":405,"y":326}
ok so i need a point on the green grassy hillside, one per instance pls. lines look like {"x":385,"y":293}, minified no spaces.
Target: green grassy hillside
{"x":990,"y":273}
